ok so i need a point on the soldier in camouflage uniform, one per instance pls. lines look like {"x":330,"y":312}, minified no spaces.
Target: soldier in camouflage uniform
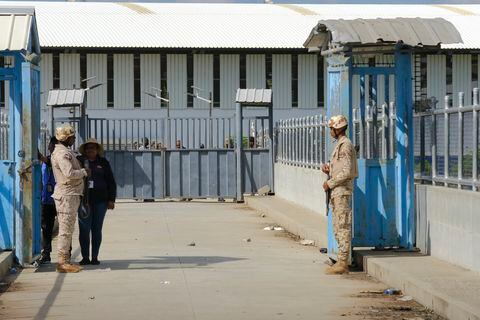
{"x":67,"y":195}
{"x":342,"y":171}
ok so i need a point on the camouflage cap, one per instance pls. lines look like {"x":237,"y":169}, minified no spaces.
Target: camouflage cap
{"x":64,"y":132}
{"x":337,"y":122}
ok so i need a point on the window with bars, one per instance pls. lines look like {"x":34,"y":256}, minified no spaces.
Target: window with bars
{"x":136,"y":81}
{"x":294,"y":80}
{"x":474,"y":72}
{"x":56,"y":70}
{"x":163,"y":79}
{"x":243,"y":71}
{"x":83,"y":71}
{"x":189,"y":79}
{"x":320,"y":82}
{"x":268,"y":71}
{"x":110,"y":87}
{"x":449,"y":75}
{"x":2,"y":85}
{"x":216,"y":81}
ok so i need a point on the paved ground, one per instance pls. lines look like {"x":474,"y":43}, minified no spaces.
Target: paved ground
{"x":149,"y":271}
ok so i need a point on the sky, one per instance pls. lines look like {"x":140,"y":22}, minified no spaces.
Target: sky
{"x":304,"y":1}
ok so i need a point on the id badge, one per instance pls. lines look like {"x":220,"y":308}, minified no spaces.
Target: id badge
{"x":90,"y":184}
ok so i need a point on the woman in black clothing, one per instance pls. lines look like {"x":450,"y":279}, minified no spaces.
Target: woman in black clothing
{"x":100,"y":194}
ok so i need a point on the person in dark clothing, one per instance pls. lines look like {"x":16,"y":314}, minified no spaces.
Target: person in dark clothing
{"x":101,"y":194}
{"x":48,"y":211}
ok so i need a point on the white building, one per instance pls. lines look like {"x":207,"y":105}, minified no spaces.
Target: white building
{"x":131,"y":48}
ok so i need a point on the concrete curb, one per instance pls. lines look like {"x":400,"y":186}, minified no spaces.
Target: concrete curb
{"x":295,"y":219}
{"x":397,"y":271}
{"x":6,"y":261}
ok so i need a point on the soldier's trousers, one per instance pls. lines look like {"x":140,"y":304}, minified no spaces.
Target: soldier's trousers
{"x":342,"y":225}
{"x":67,"y":208}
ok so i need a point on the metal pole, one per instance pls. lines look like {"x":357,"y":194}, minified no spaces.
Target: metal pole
{"x":461,"y":98}
{"x":384,"y":133}
{"x":238,"y":151}
{"x":446,"y":140}
{"x":433,"y":139}
{"x":475,"y":141}
{"x":272,"y":148}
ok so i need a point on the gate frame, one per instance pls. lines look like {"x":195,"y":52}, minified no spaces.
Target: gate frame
{"x":24,"y":124}
{"x":340,"y":62}
{"x":252,"y":98}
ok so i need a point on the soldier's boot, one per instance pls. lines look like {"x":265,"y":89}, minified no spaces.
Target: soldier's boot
{"x":341,"y":267}
{"x":67,"y":267}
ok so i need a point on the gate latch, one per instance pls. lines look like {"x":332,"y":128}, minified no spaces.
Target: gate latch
{"x":24,"y":171}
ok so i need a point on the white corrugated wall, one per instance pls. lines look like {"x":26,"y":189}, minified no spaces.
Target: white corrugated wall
{"x":123,"y":81}
{"x":46,"y":77}
{"x":150,"y":76}
{"x":282,"y":80}
{"x":307,"y":80}
{"x":437,"y":78}
{"x":97,"y":67}
{"x":177,"y":80}
{"x":203,"y":77}
{"x":69,"y":70}
{"x":256,"y":73}
{"x":462,"y":77}
{"x":229,"y":79}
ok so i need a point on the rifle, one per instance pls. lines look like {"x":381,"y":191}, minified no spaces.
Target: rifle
{"x":328,"y":193}
{"x":84,"y":210}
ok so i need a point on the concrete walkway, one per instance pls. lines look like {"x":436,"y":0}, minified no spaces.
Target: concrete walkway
{"x":450,"y":291}
{"x":149,"y":271}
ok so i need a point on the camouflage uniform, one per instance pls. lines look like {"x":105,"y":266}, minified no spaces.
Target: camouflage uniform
{"x":343,"y":170}
{"x":68,"y":191}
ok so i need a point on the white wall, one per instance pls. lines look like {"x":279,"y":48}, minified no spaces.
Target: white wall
{"x":229,"y":79}
{"x":256,"y":73}
{"x":69,"y":70}
{"x":97,"y":67}
{"x":177,"y":80}
{"x":203,"y":77}
{"x":150,"y":76}
{"x":307,"y":80}
{"x":282,"y":81}
{"x":123,"y":81}
{"x":302,"y":186}
{"x":448,"y":224}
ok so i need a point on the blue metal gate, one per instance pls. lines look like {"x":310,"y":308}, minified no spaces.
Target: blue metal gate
{"x":375,"y":94}
{"x":184,"y":157}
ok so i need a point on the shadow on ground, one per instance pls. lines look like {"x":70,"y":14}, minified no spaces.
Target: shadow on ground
{"x":152,"y":263}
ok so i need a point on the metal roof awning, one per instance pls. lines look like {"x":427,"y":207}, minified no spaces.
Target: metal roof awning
{"x":19,"y":32}
{"x":254,"y":97}
{"x":409,"y":31}
{"x":66,"y":97}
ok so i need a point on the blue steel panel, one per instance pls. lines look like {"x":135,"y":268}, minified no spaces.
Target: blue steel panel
{"x":212,"y":177}
{"x":256,"y":173}
{"x":198,"y":166}
{"x":404,"y":150}
{"x":228,"y":162}
{"x":127,"y":170}
{"x":158,"y":175}
{"x":374,"y":205}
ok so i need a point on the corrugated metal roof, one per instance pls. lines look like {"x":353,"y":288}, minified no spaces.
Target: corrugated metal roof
{"x":66,"y":97}
{"x":254,"y":96}
{"x":16,"y":25}
{"x":410,"y":31}
{"x":202,"y":25}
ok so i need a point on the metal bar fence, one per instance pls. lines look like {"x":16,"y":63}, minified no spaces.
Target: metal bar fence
{"x":177,"y":133}
{"x":301,"y":141}
{"x":4,"y":137}
{"x":446,"y":146}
